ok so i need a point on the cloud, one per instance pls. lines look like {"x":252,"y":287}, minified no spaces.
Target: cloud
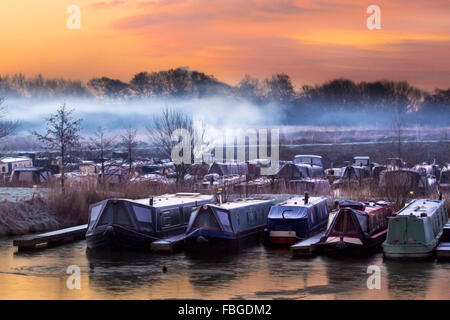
{"x":194,"y":11}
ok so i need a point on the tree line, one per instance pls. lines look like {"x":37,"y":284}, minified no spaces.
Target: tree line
{"x":338,"y":95}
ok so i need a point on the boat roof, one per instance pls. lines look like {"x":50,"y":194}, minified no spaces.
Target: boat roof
{"x":174,"y":199}
{"x":307,"y":156}
{"x":33,"y":169}
{"x":240,"y":204}
{"x":419,"y":206}
{"x":14,"y":159}
{"x":300,"y":201}
{"x":361,"y":157}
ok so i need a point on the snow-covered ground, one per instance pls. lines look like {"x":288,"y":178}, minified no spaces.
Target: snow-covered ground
{"x":20,"y":194}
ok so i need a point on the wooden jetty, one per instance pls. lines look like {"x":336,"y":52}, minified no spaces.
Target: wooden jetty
{"x":443,"y":250}
{"x":30,"y":242}
{"x":168,"y":245}
{"x":307,"y":247}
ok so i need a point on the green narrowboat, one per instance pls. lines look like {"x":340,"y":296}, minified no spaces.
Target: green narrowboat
{"x":415,"y":231}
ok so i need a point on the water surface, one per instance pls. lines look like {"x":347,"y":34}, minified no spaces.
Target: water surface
{"x":254,"y":273}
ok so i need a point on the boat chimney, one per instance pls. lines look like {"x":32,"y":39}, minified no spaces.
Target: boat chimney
{"x":220,"y":196}
{"x":440,"y":195}
{"x":151,"y":201}
{"x":306,"y":197}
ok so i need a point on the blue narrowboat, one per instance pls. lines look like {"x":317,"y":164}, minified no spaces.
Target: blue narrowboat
{"x":134,"y":224}
{"x":416,"y":230}
{"x":228,"y":225}
{"x":296,"y":219}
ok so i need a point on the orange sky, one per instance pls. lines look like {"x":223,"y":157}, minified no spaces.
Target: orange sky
{"x":311,"y":40}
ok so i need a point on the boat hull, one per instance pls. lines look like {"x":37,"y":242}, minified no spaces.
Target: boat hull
{"x":280,"y":238}
{"x":408,"y":251}
{"x":352,"y":246}
{"x":209,"y":240}
{"x":114,"y":237}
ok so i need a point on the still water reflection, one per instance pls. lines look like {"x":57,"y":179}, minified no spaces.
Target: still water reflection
{"x":255,"y":273}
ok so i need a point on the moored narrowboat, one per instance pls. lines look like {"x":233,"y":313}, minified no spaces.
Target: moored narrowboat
{"x":296,"y":219}
{"x":415,"y":231}
{"x":134,"y":224}
{"x":356,"y":227}
{"x":227,"y":226}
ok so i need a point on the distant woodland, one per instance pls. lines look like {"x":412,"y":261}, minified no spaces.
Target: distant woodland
{"x":339,"y":96}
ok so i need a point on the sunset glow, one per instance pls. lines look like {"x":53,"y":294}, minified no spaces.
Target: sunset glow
{"x":312,"y":41}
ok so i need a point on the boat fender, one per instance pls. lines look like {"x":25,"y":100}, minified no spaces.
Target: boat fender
{"x":201,"y":239}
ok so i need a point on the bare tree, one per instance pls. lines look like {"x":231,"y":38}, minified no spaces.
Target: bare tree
{"x":129,"y":142}
{"x":6,"y":127}
{"x":101,"y":143}
{"x":161,"y":131}
{"x":62,"y":135}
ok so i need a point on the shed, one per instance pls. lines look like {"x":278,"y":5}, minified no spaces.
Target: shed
{"x":36,"y":175}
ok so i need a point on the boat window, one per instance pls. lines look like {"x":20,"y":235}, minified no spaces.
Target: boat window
{"x":339,"y":224}
{"x":122,"y":216}
{"x":187,"y":213}
{"x":308,"y":160}
{"x":143,"y":214}
{"x":364,"y":162}
{"x":311,"y":215}
{"x":95,"y":211}
{"x":253,"y":216}
{"x":224,"y":220}
{"x":351,"y":227}
{"x":205,"y":219}
{"x":176,"y":218}
{"x":166,"y":219}
{"x":108,"y":215}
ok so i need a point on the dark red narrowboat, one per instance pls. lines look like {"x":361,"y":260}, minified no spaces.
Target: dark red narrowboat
{"x":356,"y":227}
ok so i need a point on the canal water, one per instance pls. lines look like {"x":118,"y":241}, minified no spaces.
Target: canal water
{"x":254,"y":273}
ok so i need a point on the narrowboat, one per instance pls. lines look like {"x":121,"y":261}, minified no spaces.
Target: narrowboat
{"x":415,"y":231}
{"x":311,"y":163}
{"x":134,"y":224}
{"x":356,"y":227}
{"x":296,"y":219}
{"x":408,"y":180}
{"x":228,"y":225}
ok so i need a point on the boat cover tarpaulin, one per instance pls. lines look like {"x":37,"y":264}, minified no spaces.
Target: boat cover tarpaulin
{"x":292,"y":171}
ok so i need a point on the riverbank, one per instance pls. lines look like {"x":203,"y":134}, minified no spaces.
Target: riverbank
{"x":27,"y":216}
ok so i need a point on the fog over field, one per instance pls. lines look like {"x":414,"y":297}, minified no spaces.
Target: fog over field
{"x":113,"y":114}
{"x":304,"y":113}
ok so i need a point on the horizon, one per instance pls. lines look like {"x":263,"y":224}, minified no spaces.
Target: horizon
{"x":297,"y":86}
